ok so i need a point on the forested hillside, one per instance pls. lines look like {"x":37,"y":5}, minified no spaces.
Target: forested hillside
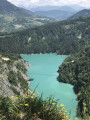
{"x":76,"y":71}
{"x":84,"y":13}
{"x":13,"y":18}
{"x":66,"y":37}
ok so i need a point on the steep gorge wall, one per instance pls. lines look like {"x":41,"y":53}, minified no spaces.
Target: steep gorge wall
{"x":13,"y":77}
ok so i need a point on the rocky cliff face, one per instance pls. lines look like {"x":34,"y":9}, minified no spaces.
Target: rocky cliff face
{"x":13,"y":76}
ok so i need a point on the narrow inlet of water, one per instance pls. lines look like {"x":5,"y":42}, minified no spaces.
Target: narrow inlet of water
{"x":43,"y":70}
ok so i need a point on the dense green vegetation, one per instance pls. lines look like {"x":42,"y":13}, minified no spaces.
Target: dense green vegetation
{"x":64,"y":37}
{"x":13,"y":18}
{"x":31,"y":107}
{"x":12,"y":78}
{"x":81,"y":13}
{"x":76,"y":71}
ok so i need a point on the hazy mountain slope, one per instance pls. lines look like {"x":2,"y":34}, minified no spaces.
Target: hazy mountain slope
{"x":77,"y":7}
{"x":56,"y":14}
{"x":66,"y":37}
{"x":13,"y":18}
{"x":84,"y":13}
{"x":76,"y":71}
{"x":6,"y":8}
{"x":64,"y":8}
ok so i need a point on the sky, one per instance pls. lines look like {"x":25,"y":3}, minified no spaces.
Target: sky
{"x":33,"y":3}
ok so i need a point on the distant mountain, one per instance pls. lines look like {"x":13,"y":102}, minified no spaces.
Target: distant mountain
{"x":47,"y":8}
{"x":77,"y":7}
{"x":13,"y":18}
{"x":64,"y":8}
{"x":56,"y":14}
{"x":85,"y":12}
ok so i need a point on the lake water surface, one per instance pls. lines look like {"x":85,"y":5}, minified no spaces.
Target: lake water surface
{"x":44,"y":72}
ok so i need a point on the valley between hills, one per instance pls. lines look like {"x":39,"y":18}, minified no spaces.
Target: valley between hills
{"x":23,"y":32}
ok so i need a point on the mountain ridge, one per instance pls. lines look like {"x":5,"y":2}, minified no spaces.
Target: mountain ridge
{"x":8,"y":8}
{"x":56,"y":14}
{"x":82,"y":13}
{"x":13,"y":18}
{"x":45,"y":8}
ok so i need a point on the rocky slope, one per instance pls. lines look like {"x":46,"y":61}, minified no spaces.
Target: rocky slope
{"x":13,"y":75}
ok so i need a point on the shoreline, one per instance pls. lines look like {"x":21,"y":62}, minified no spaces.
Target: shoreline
{"x":45,"y":53}
{"x":27,"y":64}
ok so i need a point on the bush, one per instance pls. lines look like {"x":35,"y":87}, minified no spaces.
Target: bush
{"x":31,"y":107}
{"x":12,"y":78}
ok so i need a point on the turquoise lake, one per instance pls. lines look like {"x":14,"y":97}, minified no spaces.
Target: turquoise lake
{"x":43,"y":70}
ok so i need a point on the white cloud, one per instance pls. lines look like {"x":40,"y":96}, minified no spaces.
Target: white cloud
{"x":27,"y":3}
{"x":34,"y":1}
{"x":85,"y":3}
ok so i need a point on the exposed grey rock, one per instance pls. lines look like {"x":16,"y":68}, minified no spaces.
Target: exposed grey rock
{"x":5,"y":86}
{"x":27,"y":65}
{"x":14,"y":69}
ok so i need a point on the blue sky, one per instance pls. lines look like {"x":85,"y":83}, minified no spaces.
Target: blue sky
{"x":33,"y":3}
